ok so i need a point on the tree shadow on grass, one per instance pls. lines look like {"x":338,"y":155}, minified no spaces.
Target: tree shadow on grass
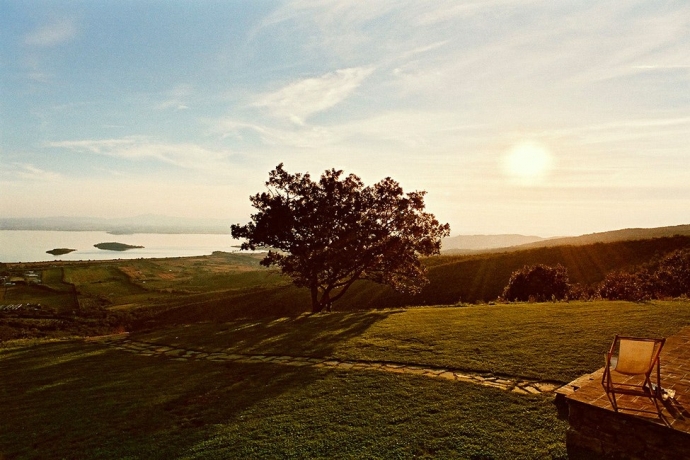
{"x":255,"y":303}
{"x":77,"y":400}
{"x":225,"y":306}
{"x":71,"y":400}
{"x":312,"y":335}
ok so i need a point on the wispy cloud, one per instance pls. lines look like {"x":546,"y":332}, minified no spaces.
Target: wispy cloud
{"x":395,"y":129}
{"x":177,"y":98}
{"x":172,"y":104}
{"x":622,"y":132}
{"x":183,"y":155}
{"x":450,"y":10}
{"x":664,"y":67}
{"x":643,"y":123}
{"x":29,"y":172}
{"x":300,"y":99}
{"x":294,"y":136}
{"x":55,"y":33}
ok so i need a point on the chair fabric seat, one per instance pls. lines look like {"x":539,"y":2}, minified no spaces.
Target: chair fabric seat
{"x":635,"y":357}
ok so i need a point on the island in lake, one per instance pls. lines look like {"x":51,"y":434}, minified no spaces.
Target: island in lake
{"x":60,"y":251}
{"x":116,"y":246}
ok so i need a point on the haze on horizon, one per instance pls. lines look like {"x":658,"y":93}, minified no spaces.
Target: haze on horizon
{"x":531,"y":117}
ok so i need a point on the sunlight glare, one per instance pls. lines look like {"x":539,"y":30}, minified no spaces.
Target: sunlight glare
{"x":527,"y":163}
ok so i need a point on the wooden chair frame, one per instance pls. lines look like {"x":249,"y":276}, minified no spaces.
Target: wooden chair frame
{"x":648,"y":389}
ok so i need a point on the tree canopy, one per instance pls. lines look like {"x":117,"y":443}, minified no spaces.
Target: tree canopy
{"x":329,"y":233}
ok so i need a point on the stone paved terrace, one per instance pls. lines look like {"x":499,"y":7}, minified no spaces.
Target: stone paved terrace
{"x":597,"y":431}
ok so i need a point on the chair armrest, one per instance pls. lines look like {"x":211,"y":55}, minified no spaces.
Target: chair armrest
{"x":607,"y":358}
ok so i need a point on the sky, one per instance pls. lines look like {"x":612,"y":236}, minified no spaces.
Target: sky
{"x":546,"y":118}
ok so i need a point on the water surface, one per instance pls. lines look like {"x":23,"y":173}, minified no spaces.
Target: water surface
{"x":31,"y":245}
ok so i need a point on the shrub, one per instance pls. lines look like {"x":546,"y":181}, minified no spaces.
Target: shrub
{"x":673,"y":275}
{"x":668,"y":277}
{"x":620,"y":285}
{"x":537,"y":283}
{"x":579,"y":291}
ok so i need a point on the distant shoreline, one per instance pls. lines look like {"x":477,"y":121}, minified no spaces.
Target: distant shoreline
{"x":126,"y":226}
{"x":118,"y":232}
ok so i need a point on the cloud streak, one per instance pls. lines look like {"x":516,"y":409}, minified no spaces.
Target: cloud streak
{"x":301,"y":99}
{"x":29,"y":172}
{"x":183,"y":155}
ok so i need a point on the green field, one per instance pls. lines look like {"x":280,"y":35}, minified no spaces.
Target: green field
{"x":549,"y":341}
{"x":224,"y":287}
{"x":73,"y":399}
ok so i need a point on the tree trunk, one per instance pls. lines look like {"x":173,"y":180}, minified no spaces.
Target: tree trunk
{"x":316,"y":306}
{"x":326,"y":301}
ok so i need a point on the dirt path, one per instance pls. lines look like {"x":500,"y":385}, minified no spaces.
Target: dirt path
{"x":515,"y":385}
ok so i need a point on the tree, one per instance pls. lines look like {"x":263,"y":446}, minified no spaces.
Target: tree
{"x":539,"y":282}
{"x":328,"y":234}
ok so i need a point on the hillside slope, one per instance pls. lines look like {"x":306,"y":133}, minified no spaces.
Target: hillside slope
{"x":611,"y":237}
{"x":483,"y":277}
{"x":453,"y":279}
{"x":479,"y":242}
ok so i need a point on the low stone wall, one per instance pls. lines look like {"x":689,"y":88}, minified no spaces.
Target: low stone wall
{"x":597,"y":433}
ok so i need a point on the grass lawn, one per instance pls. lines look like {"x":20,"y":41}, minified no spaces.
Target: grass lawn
{"x":76,"y":400}
{"x":79,"y":400}
{"x":549,"y":341}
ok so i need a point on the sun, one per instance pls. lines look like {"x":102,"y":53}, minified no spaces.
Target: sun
{"x":527,"y":163}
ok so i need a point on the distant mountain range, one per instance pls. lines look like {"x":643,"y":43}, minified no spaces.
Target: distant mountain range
{"x":466,"y":244}
{"x":147,"y":223}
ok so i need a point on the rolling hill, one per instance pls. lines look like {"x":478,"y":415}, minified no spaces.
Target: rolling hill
{"x":453,"y":279}
{"x":612,"y":236}
{"x":467,"y":243}
{"x":472,"y":244}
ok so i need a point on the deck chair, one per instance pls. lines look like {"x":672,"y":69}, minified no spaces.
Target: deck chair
{"x":629,"y":366}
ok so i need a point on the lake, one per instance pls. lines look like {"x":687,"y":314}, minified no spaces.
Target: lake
{"x":31,"y":245}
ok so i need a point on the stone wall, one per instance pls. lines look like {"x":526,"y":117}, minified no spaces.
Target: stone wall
{"x":597,"y":433}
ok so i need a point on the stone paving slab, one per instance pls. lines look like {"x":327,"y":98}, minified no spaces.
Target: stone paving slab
{"x":518,"y":386}
{"x":519,"y":391}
